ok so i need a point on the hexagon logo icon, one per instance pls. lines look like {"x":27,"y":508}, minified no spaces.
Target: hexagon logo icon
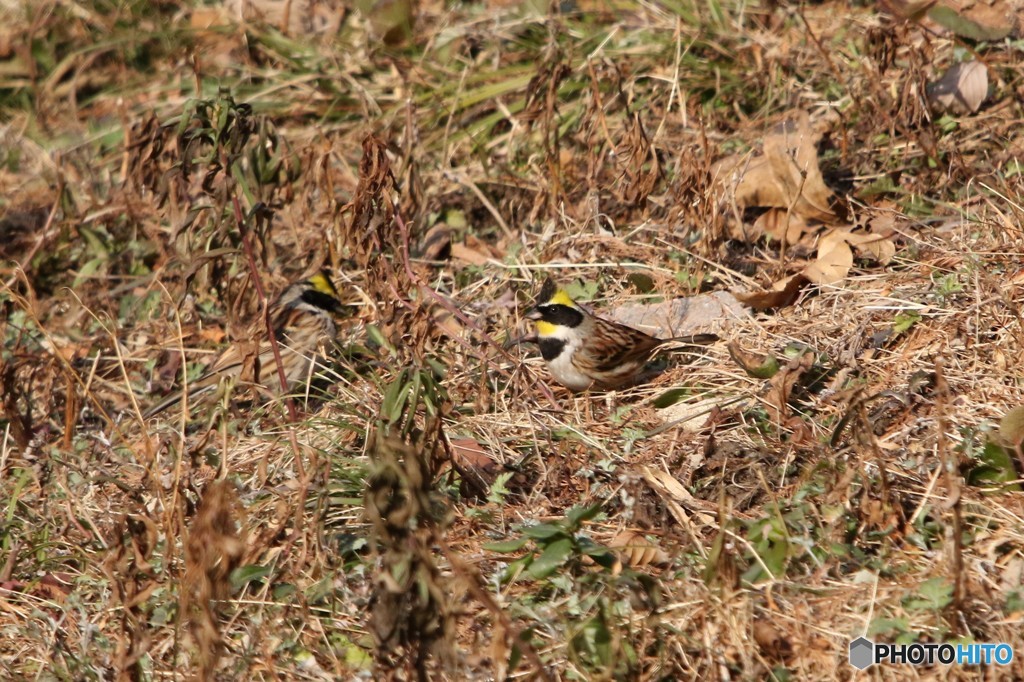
{"x":862,"y":653}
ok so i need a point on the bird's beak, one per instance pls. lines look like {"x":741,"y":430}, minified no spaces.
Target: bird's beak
{"x":534,"y":315}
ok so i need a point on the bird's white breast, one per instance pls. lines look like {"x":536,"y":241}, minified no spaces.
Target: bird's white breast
{"x":561,"y":367}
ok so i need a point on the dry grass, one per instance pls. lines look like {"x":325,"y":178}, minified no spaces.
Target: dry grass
{"x":445,"y":513}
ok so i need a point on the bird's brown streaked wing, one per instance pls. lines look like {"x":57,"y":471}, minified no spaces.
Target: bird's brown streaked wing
{"x":635,"y":346}
{"x":227,"y":364}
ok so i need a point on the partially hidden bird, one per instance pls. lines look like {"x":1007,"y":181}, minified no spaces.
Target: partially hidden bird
{"x":303,"y":319}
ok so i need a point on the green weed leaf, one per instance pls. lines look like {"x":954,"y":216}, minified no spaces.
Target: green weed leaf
{"x":508,"y":546}
{"x":555,"y":554}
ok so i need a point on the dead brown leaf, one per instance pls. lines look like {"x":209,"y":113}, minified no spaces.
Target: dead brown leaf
{"x":961,"y":90}
{"x":835,"y":258}
{"x":785,"y":176}
{"x":792,"y":150}
{"x":213,"y":29}
{"x":784,"y":295}
{"x":55,"y":586}
{"x":205,"y":18}
{"x":475,"y":465}
{"x":211,"y":335}
{"x":636,"y":550}
{"x":781,"y":225}
{"x":876,"y":246}
{"x":773,"y":644}
{"x":1011,"y":427}
{"x":475,"y":251}
{"x":884,"y":225}
{"x":677,"y":497}
{"x":782,"y":384}
{"x":759,"y":365}
{"x":301,"y":19}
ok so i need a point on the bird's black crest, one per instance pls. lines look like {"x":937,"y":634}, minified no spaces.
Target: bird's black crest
{"x":547,"y":291}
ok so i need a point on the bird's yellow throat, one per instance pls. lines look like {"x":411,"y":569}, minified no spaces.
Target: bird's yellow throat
{"x":545,"y":328}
